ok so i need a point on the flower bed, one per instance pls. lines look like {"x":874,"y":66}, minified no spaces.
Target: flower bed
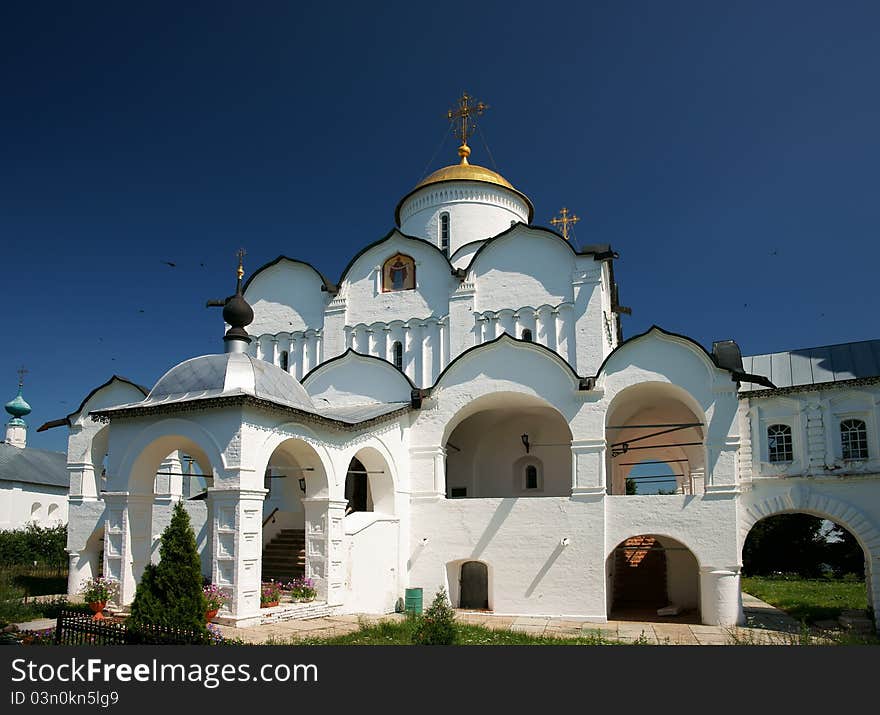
{"x":301,"y":589}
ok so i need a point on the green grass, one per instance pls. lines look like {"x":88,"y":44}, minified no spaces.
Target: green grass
{"x":400,"y":633}
{"x":808,"y":600}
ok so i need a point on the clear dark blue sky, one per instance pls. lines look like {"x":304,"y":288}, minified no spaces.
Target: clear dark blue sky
{"x":728,"y":151}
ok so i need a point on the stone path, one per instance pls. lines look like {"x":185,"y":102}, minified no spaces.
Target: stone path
{"x":764,"y":624}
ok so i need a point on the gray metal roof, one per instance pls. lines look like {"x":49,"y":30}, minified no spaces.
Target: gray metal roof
{"x":355,"y":414}
{"x":225,"y":374}
{"x":813,"y":366}
{"x":33,"y":466}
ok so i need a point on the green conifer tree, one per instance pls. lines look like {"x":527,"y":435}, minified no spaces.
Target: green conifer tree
{"x":170,"y":592}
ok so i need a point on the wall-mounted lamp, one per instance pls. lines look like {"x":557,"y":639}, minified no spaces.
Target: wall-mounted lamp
{"x":302,"y":484}
{"x":525,"y":441}
{"x":565,"y":541}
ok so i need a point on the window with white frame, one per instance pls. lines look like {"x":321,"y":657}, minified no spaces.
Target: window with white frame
{"x":854,"y":439}
{"x":779,"y":443}
{"x":397,"y":351}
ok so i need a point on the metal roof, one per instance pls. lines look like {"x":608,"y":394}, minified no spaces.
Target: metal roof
{"x":813,"y":366}
{"x":33,"y":466}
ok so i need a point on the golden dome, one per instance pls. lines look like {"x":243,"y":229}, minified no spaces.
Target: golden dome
{"x":465,"y":172}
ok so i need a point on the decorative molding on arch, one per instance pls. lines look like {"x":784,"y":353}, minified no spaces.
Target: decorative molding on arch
{"x":805,"y":499}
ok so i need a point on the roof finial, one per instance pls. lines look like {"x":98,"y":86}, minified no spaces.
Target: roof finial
{"x":241,"y":254}
{"x":22,"y":371}
{"x":463,"y":125}
{"x":565,"y":220}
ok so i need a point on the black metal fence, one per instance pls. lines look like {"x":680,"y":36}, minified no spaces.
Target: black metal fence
{"x":81,"y":629}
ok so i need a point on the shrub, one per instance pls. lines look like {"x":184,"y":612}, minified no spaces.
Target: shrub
{"x":170,"y":592}
{"x":437,"y":625}
{"x":41,"y":544}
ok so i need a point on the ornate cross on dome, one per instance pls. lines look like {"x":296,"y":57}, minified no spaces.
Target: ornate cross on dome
{"x":462,"y":125}
{"x":565,"y":220}
{"x":241,"y":254}
{"x":22,"y":371}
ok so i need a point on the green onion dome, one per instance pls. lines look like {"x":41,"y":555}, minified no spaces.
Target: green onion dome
{"x":18,"y":408}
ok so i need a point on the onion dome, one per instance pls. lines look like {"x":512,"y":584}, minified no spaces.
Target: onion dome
{"x":17,"y":407}
{"x":238,"y":313}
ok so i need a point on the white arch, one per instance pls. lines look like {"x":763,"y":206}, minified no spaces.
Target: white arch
{"x":208,"y":452}
{"x":298,"y":432}
{"x":801,"y":498}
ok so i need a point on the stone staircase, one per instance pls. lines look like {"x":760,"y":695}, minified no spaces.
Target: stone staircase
{"x":284,"y":557}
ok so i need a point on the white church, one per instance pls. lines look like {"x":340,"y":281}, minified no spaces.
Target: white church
{"x":459,"y":410}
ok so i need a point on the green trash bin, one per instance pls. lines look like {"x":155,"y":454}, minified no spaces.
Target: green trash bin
{"x":413,"y":602}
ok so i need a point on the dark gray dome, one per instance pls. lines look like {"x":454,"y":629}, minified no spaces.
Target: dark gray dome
{"x":230,"y":373}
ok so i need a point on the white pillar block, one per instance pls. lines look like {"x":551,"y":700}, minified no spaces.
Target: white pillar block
{"x":720,"y":596}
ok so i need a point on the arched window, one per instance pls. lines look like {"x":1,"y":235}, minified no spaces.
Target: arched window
{"x":398,"y":273}
{"x":444,"y":233}
{"x":854,"y":439}
{"x":531,"y":477}
{"x":53,"y":511}
{"x":285,"y":360}
{"x":779,"y":445}
{"x":356,"y":487}
{"x":527,"y":335}
{"x":397,"y":350}
{"x":35,"y":511}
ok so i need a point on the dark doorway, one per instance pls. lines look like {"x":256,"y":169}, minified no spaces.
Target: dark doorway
{"x":474,"y":585}
{"x":640,"y":574}
{"x":356,"y":487}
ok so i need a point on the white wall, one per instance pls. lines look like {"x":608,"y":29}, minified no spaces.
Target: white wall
{"x":22,"y":503}
{"x":371,"y":556}
{"x":286,"y":296}
{"x":476,"y":212}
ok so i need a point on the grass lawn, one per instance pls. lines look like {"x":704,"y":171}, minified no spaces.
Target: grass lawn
{"x":808,"y":600}
{"x":399,"y":633}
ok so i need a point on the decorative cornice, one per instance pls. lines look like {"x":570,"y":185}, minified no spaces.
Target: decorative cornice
{"x":241,"y":401}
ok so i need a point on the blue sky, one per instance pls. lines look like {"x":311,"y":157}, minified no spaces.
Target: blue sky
{"x":729,"y":153}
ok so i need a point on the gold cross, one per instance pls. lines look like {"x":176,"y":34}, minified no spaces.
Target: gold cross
{"x":565,"y":220}
{"x":463,"y":125}
{"x":22,"y":371}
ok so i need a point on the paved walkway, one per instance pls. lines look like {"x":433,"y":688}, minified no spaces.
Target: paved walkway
{"x":764,"y":624}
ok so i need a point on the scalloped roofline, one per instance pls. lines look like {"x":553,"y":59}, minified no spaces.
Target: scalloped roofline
{"x":600,"y":252}
{"x":352,"y":352}
{"x":67,"y":419}
{"x":327,"y":285}
{"x":656,"y":329}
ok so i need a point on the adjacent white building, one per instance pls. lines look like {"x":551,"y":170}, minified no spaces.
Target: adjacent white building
{"x":33,"y":482}
{"x":459,"y":410}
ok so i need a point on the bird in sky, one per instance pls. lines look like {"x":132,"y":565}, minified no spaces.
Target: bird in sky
{"x":169,"y":263}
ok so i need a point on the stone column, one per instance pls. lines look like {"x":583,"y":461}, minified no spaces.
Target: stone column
{"x":169,"y":482}
{"x":427,"y":354}
{"x":82,"y":565}
{"x":588,"y":468}
{"x":428,"y":472}
{"x":324,"y":552}
{"x":720,"y":596}
{"x":237,"y":550}
{"x":83,"y":481}
{"x":720,"y":475}
{"x":444,"y":345}
{"x":408,"y":353}
{"x":118,"y":561}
